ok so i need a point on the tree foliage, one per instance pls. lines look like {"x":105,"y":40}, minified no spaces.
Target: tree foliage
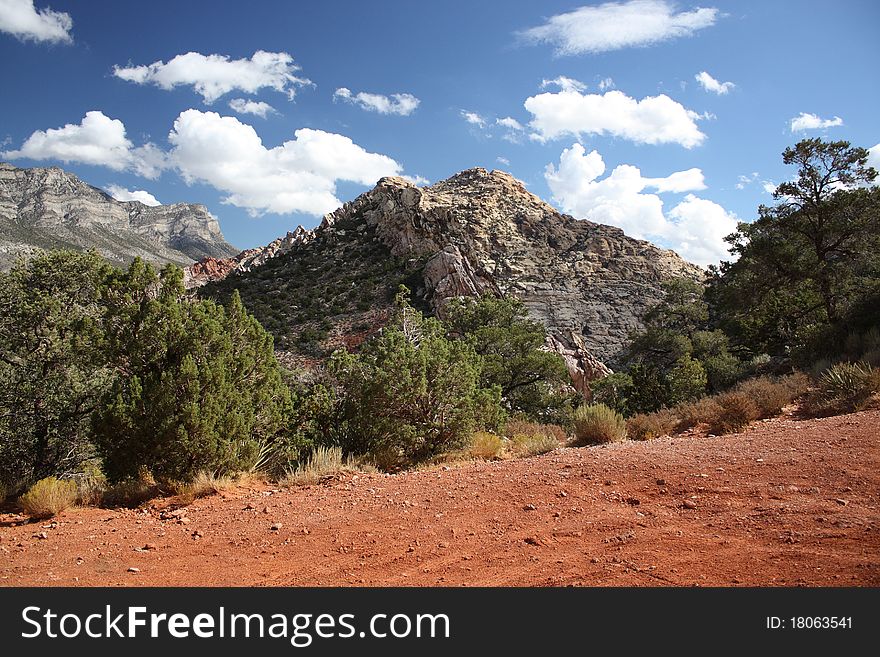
{"x":52,"y":369}
{"x":197,"y":386}
{"x":809,"y":266}
{"x":510,"y":345}
{"x":410,"y":393}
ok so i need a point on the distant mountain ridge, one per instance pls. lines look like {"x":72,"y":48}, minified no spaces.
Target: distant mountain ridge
{"x":49,"y":208}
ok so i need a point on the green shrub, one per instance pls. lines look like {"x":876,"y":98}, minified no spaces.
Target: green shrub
{"x":410,"y":394}
{"x":48,"y":497}
{"x":199,"y":386}
{"x":645,"y":426}
{"x":847,"y":386}
{"x":597,"y":424}
{"x":736,"y":411}
{"x":484,"y":445}
{"x":614,"y":391}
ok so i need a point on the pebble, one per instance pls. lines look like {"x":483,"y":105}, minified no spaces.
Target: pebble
{"x":275,"y":526}
{"x":690,"y":504}
{"x":529,"y":507}
{"x":134,"y":570}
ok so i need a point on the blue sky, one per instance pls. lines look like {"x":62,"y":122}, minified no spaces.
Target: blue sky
{"x":596,"y":107}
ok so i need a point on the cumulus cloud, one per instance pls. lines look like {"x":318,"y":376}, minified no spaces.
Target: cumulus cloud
{"x":23,"y":21}
{"x":399,"y":104}
{"x":97,"y":140}
{"x":605,"y":84}
{"x":651,"y":120}
{"x":213,"y":76}
{"x":806,"y":121}
{"x":257,"y":108}
{"x":300,"y":175}
{"x":711,"y":84}
{"x":123,"y":194}
{"x":695,"y":227}
{"x":874,"y":160}
{"x":616,"y":25}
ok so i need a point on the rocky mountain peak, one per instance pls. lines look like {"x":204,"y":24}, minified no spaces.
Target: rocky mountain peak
{"x":476,"y":232}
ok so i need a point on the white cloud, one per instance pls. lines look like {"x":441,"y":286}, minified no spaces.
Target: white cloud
{"x":874,"y":160}
{"x":652,"y":120}
{"x":564,"y":84}
{"x":123,"y":194}
{"x":503,"y":161}
{"x":806,"y":121}
{"x":417,"y":180}
{"x":300,"y":175}
{"x":97,"y":140}
{"x":711,"y":84}
{"x":22,"y":20}
{"x":400,"y":104}
{"x":257,"y":108}
{"x":510,"y":123}
{"x":768,"y":186}
{"x":605,"y":84}
{"x":212,"y":76}
{"x":473,"y":118}
{"x":695,"y":228}
{"x":616,"y":25}
{"x":699,"y":229}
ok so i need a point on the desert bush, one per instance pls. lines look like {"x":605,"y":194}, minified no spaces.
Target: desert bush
{"x":532,"y":438}
{"x":484,"y":445}
{"x":693,"y":414}
{"x":48,"y":497}
{"x":596,"y":424}
{"x":736,"y":410}
{"x":770,"y":395}
{"x":846,"y":386}
{"x":131,"y":491}
{"x":645,"y":426}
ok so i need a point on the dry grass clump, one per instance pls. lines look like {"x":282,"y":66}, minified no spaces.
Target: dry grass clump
{"x":645,"y":426}
{"x":485,"y":446}
{"x":132,"y":492}
{"x":203,"y":485}
{"x":323,"y":462}
{"x":524,"y":445}
{"x":597,"y":424}
{"x":532,"y":438}
{"x":736,"y":411}
{"x":48,"y":497}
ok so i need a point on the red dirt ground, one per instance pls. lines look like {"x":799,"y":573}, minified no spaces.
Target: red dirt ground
{"x":786,"y":503}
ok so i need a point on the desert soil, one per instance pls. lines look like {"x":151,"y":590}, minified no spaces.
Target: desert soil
{"x":787,"y":502}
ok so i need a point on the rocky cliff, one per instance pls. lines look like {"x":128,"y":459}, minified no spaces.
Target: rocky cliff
{"x":49,"y":208}
{"x":476,"y":232}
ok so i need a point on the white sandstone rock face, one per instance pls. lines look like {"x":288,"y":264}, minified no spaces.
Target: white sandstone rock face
{"x":44,"y":208}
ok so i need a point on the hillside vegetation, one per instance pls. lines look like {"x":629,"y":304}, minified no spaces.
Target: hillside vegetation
{"x":122,"y":382}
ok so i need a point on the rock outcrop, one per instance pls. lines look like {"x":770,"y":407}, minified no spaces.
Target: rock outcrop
{"x":51,"y":208}
{"x":209,"y":269}
{"x":477,"y":232}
